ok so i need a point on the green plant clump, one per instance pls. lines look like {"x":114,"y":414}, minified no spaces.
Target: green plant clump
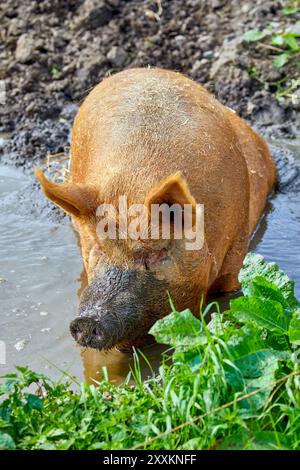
{"x":231,"y":383}
{"x":283,"y":45}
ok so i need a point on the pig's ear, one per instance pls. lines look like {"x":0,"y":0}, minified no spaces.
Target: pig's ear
{"x":75,"y":199}
{"x":171,"y":190}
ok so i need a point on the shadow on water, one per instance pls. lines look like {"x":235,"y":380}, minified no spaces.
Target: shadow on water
{"x":40,"y":263}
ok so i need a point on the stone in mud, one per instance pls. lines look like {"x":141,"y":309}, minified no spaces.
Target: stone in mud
{"x":215,"y":4}
{"x":94,"y":13}
{"x":228,"y":54}
{"x":117,"y":56}
{"x":25,"y":48}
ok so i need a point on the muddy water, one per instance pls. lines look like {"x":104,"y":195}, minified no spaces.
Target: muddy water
{"x":40,"y":277}
{"x":278,"y":235}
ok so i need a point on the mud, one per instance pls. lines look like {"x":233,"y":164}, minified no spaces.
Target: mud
{"x":52,"y":53}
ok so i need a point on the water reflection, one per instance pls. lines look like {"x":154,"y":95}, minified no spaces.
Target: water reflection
{"x":119,"y":364}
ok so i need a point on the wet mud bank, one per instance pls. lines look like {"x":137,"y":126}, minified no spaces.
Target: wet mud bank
{"x":52,"y":53}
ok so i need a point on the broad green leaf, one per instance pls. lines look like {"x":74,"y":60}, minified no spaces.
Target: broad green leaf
{"x":255,"y":265}
{"x":249,"y":343}
{"x":256,"y":373}
{"x":252,"y":366}
{"x":281,"y":60}
{"x":294,"y":328}
{"x":254,"y":35}
{"x":267,"y":314}
{"x":277,"y":341}
{"x":182,"y":330}
{"x":264,"y":440}
{"x":262,"y":288}
{"x":46,"y":446}
{"x":248,"y":353}
{"x":217,"y":325}
{"x":6,"y":442}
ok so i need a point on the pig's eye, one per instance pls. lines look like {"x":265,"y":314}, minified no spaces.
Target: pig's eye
{"x":151,"y":259}
{"x":146,"y":264}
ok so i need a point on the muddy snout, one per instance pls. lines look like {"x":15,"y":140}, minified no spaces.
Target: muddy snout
{"x":114,"y":309}
{"x":110,"y":310}
{"x":87,"y":332}
{"x":98,"y":329}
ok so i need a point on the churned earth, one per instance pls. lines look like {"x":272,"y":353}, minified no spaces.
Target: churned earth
{"x":52,"y":53}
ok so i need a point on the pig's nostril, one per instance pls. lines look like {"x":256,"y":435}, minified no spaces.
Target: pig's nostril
{"x":78,"y":334}
{"x":77,"y":330}
{"x":97,"y":333}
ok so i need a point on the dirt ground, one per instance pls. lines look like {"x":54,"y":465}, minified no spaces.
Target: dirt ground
{"x":53,"y":52}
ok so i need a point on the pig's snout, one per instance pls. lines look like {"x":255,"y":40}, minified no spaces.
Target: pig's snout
{"x":87,"y":332}
{"x":117,"y":307}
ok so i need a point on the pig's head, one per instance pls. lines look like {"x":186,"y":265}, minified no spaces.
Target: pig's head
{"x":129,"y":280}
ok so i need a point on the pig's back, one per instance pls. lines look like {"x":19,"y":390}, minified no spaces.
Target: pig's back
{"x":142,"y":125}
{"x":150,"y":123}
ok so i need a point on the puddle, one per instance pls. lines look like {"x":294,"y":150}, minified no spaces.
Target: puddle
{"x":40,"y":277}
{"x":278,"y":236}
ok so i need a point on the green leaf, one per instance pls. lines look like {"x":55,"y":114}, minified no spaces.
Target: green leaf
{"x":34,"y":402}
{"x":252,"y":366}
{"x":182,"y":330}
{"x":6,"y":442}
{"x":9,"y":386}
{"x":254,"y":35}
{"x":277,"y":341}
{"x":46,"y":446}
{"x":294,"y":328}
{"x":255,"y":265}
{"x":249,"y":343}
{"x":53,"y":433}
{"x":261,"y":440}
{"x":291,"y":41}
{"x":264,"y":440}
{"x":281,"y":60}
{"x":278,"y":40}
{"x":262,"y":288}
{"x":192,"y":444}
{"x":289,"y":10}
{"x":256,"y":373}
{"x":264,"y":313}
